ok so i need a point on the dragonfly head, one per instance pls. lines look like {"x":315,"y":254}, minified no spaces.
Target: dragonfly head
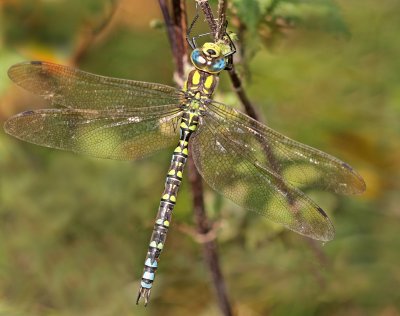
{"x":209,"y":58}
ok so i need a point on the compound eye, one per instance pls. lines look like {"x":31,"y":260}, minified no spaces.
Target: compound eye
{"x":198,"y":59}
{"x":218,"y":65}
{"x":201,"y":62}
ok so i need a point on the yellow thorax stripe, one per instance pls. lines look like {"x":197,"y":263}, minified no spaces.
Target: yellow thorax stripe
{"x":209,"y":81}
{"x":196,"y":78}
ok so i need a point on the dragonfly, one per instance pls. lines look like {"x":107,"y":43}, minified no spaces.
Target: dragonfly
{"x":256,"y":167}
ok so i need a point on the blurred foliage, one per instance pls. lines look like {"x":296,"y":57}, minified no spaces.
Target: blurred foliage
{"x":267,"y":21}
{"x":74,"y":230}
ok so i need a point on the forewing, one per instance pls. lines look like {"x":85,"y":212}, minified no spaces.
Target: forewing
{"x":73,"y":88}
{"x":296,"y":163}
{"x":124,"y":135}
{"x":224,"y":166}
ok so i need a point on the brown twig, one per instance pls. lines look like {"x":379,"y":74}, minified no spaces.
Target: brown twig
{"x":222,"y":5}
{"x":242,"y":95}
{"x":205,"y":7}
{"x":92,"y":34}
{"x":209,"y":248}
{"x":169,"y":24}
{"x":179,"y":28}
{"x":200,"y":238}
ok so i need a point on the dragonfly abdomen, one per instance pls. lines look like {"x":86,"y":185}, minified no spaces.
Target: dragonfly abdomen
{"x":188,"y":125}
{"x":199,"y":87}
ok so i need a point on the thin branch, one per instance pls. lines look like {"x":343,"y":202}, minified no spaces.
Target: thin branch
{"x":205,"y":6}
{"x":180,"y":24}
{"x":92,"y":34}
{"x":200,"y":238}
{"x":210,"y":250}
{"x":222,"y":5}
{"x":204,"y":228}
{"x":242,"y":95}
{"x":170,"y":30}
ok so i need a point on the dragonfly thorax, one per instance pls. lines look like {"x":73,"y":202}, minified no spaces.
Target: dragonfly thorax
{"x":200,"y":85}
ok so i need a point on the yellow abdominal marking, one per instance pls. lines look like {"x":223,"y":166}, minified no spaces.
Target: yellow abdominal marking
{"x":183,"y":125}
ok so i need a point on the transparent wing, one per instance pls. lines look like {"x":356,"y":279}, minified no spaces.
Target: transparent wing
{"x":123,"y":135}
{"x":73,"y":88}
{"x":296,"y":163}
{"x":225,"y":167}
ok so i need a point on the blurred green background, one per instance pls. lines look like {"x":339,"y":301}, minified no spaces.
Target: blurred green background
{"x":74,"y":230}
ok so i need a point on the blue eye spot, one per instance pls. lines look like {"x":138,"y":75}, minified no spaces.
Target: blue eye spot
{"x":197,"y":58}
{"x":218,"y":65}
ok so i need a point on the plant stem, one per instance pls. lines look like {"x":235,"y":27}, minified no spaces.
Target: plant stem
{"x":222,"y":5}
{"x":210,"y":250}
{"x":205,"y":6}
